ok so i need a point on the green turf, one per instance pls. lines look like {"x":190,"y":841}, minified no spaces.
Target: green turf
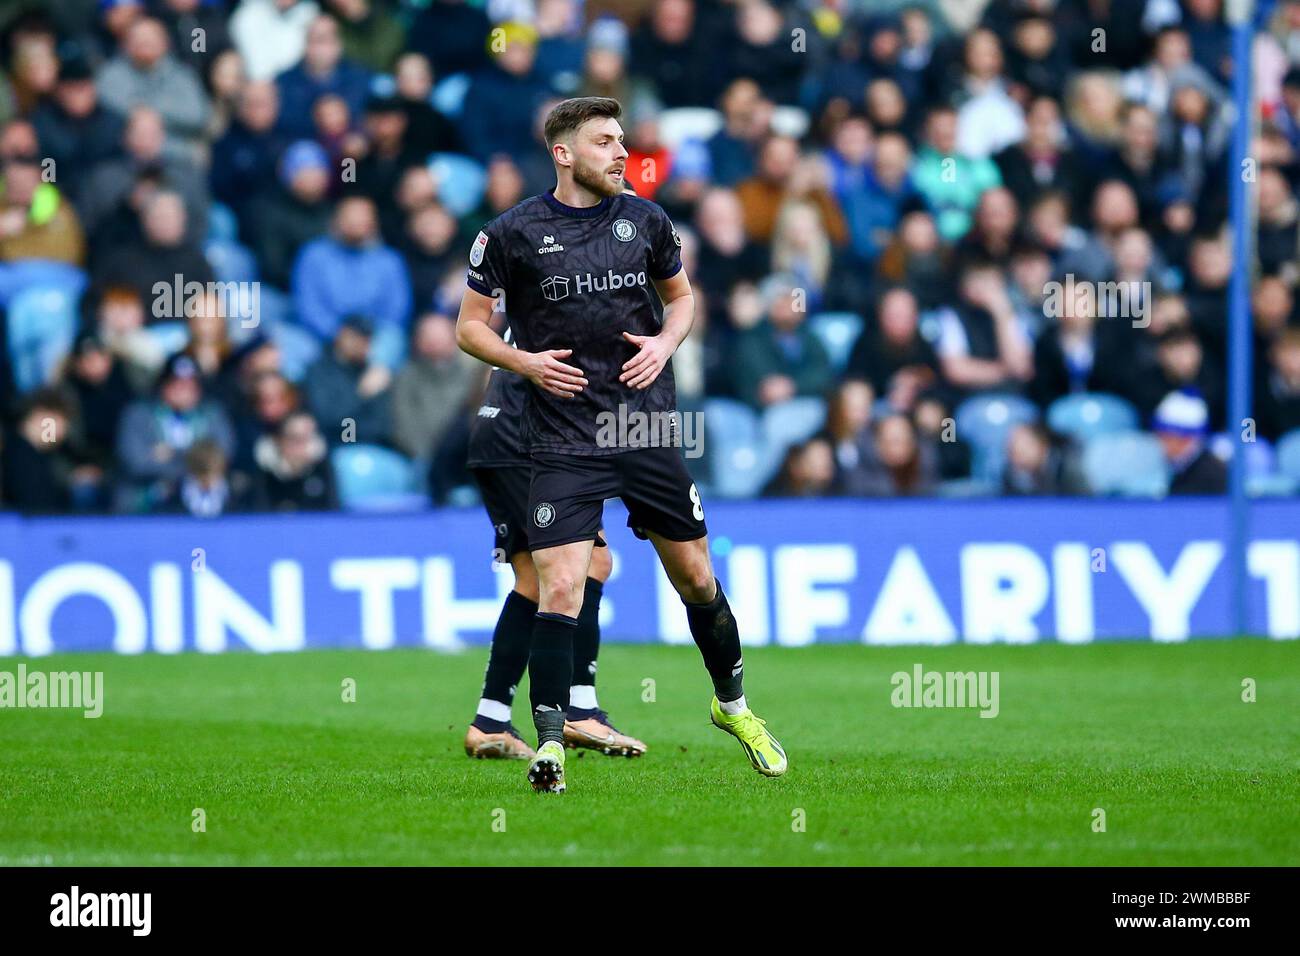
{"x":287,"y":773}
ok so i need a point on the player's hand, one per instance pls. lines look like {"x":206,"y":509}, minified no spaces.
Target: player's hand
{"x":642,"y":369}
{"x":547,"y":372}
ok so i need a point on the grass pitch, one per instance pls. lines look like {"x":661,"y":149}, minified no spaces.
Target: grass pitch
{"x":287,"y":773}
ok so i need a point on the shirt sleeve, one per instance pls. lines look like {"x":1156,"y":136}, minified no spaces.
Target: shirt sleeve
{"x":488,"y":265}
{"x":665,"y":248}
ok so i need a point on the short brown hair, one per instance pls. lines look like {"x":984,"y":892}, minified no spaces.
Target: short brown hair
{"x":567,"y":116}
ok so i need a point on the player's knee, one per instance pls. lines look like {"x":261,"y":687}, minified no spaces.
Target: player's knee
{"x":562,"y":594}
{"x":697,"y":587}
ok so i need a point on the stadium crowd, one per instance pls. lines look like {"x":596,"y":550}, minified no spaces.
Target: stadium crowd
{"x":876,"y":199}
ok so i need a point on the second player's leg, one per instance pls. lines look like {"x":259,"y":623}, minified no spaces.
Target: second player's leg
{"x":588,"y":725}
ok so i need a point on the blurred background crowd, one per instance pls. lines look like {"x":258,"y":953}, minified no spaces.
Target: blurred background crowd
{"x":876,"y":199}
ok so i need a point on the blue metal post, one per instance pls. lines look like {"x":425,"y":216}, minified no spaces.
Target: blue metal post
{"x":1240,"y":333}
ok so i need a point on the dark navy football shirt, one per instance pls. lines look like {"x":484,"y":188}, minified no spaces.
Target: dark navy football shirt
{"x":578,"y":278}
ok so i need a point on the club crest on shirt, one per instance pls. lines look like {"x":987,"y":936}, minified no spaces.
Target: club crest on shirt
{"x":624,"y":230}
{"x":476,"y":251}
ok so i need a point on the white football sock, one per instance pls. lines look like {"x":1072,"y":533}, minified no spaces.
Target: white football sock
{"x":583,"y":696}
{"x":733,"y":707}
{"x":494,"y":710}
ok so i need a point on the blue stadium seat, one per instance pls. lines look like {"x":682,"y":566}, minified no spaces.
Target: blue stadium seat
{"x":222,"y":223}
{"x":1261,"y":456}
{"x":984,"y":422}
{"x":298,"y":349}
{"x":373,"y":478}
{"x":837,"y":332}
{"x":276,"y":308}
{"x":42,"y":323}
{"x":1086,"y":414}
{"x":734,"y":449}
{"x":681,"y":123}
{"x":461,"y":182}
{"x":170,"y":337}
{"x":1271,"y":486}
{"x":230,"y":261}
{"x":388,"y":347}
{"x":786,"y":424}
{"x":448,"y":95}
{"x":1288,"y":455}
{"x":1130,"y":464}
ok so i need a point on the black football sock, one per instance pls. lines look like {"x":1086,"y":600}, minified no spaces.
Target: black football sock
{"x":550,"y":665}
{"x":714,"y":628}
{"x":507,"y":662}
{"x":586,"y":647}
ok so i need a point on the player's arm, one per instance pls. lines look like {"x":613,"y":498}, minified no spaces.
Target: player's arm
{"x":476,"y":336}
{"x":655,"y":350}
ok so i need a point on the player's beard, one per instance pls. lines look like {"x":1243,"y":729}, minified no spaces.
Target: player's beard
{"x":596,"y":180}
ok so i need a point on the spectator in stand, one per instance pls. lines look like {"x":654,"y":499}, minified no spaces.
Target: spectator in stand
{"x":36,"y":221}
{"x":1034,"y":466}
{"x":120,"y":187}
{"x":265,"y":403}
{"x":351,"y":271}
{"x":727,"y":255}
{"x":371,"y":31}
{"x":1181,"y":422}
{"x":746,"y":123}
{"x":155,"y":434}
{"x":873,"y":207}
{"x":294,"y":470}
{"x":244,"y":177}
{"x":322,"y":71}
{"x":207,"y":489}
{"x":452,"y":35}
{"x":1043,"y":160}
{"x":183,"y":17}
{"x":97,"y":390}
{"x":152,"y":263}
{"x":936,"y":426}
{"x":428,"y":131}
{"x":430,"y":250}
{"x":848,"y":428}
{"x":1279,"y":401}
{"x":783,"y":173}
{"x":605,"y":71}
{"x":670,"y":49}
{"x":387,"y":158}
{"x":35,"y":465}
{"x":271,"y":35}
{"x":950,"y":181}
{"x":989,"y":119}
{"x":146,"y":74}
{"x":76,"y":130}
{"x":1079,"y":352}
{"x":808,"y":471}
{"x":498,"y":111}
{"x":781,"y":358}
{"x":297,"y":213}
{"x":431,"y":389}
{"x":891,"y":354}
{"x":982,"y":344}
{"x":349,"y":394}
{"x":901,"y":463}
